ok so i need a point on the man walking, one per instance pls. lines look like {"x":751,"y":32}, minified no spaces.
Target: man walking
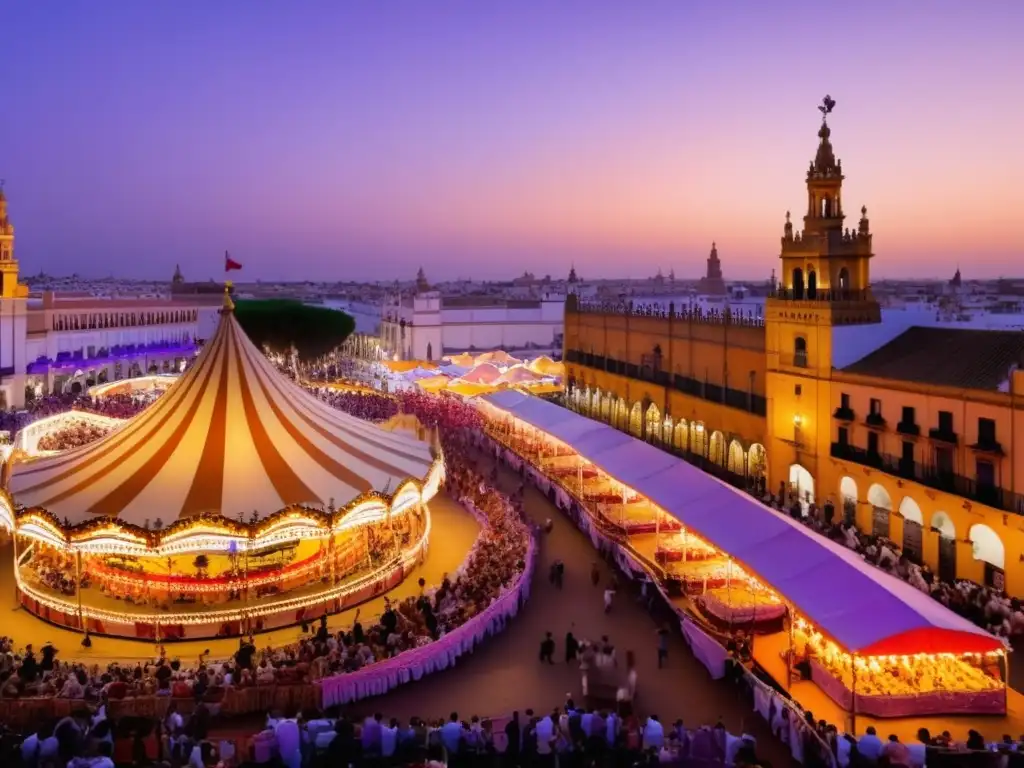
{"x":662,"y":645}
{"x":547,"y":649}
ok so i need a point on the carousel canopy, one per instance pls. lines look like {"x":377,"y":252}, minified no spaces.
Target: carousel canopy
{"x":231,"y":436}
{"x":864,"y":609}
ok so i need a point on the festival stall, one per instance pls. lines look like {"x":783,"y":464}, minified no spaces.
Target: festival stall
{"x":871,"y":642}
{"x":236,"y":502}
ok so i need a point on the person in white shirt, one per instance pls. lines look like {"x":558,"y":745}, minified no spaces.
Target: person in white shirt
{"x":611,"y":728}
{"x":389,"y":739}
{"x":869,"y":745}
{"x":289,"y":743}
{"x":29,"y":749}
{"x":733,"y":744}
{"x":545,"y":735}
{"x":104,"y":760}
{"x":609,"y":594}
{"x":654,"y":733}
{"x":919,"y":749}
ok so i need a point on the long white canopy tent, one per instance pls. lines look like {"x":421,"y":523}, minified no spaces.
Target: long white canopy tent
{"x":863,"y":609}
{"x":233,"y":451}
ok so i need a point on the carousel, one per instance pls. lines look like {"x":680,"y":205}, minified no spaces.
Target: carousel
{"x":237,"y":502}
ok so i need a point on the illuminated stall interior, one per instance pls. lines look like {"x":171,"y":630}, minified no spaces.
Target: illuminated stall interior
{"x":235,"y":495}
{"x":871,"y":642}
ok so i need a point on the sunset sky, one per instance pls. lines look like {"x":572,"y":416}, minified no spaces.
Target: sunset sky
{"x":358,"y":140}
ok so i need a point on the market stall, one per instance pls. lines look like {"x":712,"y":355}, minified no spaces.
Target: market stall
{"x":878,"y":646}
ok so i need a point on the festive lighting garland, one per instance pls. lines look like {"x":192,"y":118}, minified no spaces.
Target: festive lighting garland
{"x":399,"y":563}
{"x":104,"y":535}
{"x":869,"y":672}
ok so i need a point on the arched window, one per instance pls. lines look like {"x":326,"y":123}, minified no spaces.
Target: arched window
{"x":798,"y":283}
{"x":881,"y":504}
{"x":653,"y":418}
{"x":812,"y":284}
{"x":800,"y":352}
{"x":430,"y":351}
{"x":844,"y":279}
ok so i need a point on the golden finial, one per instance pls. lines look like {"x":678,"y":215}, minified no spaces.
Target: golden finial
{"x":228,"y":305}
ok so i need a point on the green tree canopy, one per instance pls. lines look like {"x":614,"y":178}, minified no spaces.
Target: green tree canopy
{"x":280,"y":323}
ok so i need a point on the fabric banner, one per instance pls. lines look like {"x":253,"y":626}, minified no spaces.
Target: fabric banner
{"x":707,"y":650}
{"x":415,"y":663}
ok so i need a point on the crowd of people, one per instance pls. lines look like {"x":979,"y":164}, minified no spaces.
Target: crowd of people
{"x":74,"y":435}
{"x":495,"y":562}
{"x":988,"y":608}
{"x":118,"y":406}
{"x":368,"y":407}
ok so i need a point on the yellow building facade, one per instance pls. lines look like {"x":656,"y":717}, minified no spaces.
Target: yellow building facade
{"x":910,"y":432}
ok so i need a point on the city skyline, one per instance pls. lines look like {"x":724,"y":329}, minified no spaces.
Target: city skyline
{"x":330,"y":142}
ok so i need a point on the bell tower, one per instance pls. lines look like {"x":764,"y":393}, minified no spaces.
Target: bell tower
{"x":825,"y":286}
{"x":13,"y":317}
{"x":827,"y":262}
{"x":8,"y":264}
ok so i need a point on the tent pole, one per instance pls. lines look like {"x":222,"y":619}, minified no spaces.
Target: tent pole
{"x":853,"y":713}
{"x":728,"y":592}
{"x":622,"y":509}
{"x":1006,"y":681}
{"x":789,"y":657}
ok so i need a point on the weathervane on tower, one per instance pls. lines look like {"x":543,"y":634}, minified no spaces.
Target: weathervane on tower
{"x":826,"y":107}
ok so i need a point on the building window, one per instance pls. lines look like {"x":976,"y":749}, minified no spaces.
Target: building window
{"x":986,"y":431}
{"x":872,"y":443}
{"x":800,"y":352}
{"x":908,"y":415}
{"x":844,"y":401}
{"x":798,"y":390}
{"x":985,"y":473}
{"x":908,"y":452}
{"x":844,"y":437}
{"x":876,"y":407}
{"x":946,"y":422}
{"x":944,"y":461}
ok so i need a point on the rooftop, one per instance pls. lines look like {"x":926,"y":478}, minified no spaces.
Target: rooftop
{"x":949,"y":357}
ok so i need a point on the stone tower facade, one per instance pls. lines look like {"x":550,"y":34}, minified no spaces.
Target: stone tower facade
{"x":825,"y":283}
{"x":13,"y":317}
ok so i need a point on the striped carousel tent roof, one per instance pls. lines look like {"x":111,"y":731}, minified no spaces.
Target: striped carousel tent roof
{"x":232,"y":435}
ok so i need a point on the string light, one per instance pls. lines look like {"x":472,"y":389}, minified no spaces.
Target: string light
{"x":400,"y":564}
{"x":214,"y":532}
{"x":524,"y":440}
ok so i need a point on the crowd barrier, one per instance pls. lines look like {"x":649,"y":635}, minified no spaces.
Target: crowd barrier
{"x":441,"y":654}
{"x":292,"y":693}
{"x":783,"y":715}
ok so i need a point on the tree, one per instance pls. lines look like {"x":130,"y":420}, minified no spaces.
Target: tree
{"x":278,"y":324}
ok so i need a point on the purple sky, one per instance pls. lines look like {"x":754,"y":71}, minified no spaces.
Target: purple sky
{"x":358,"y":140}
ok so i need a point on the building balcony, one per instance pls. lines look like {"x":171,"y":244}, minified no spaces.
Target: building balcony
{"x":843,"y":414}
{"x":937,"y":433}
{"x":793,"y":361}
{"x":820,"y":295}
{"x":875,"y":420}
{"x":933,"y":477}
{"x":908,"y":428}
{"x":714,"y":393}
{"x":988,"y":446}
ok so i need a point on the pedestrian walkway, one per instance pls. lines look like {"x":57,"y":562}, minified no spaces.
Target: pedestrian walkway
{"x":505,"y":674}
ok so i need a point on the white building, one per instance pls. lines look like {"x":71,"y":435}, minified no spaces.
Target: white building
{"x":428,"y":326}
{"x":66,"y":342}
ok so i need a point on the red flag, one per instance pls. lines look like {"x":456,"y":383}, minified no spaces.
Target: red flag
{"x":229,"y":263}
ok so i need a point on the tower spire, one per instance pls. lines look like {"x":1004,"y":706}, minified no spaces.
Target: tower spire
{"x":826,"y":262}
